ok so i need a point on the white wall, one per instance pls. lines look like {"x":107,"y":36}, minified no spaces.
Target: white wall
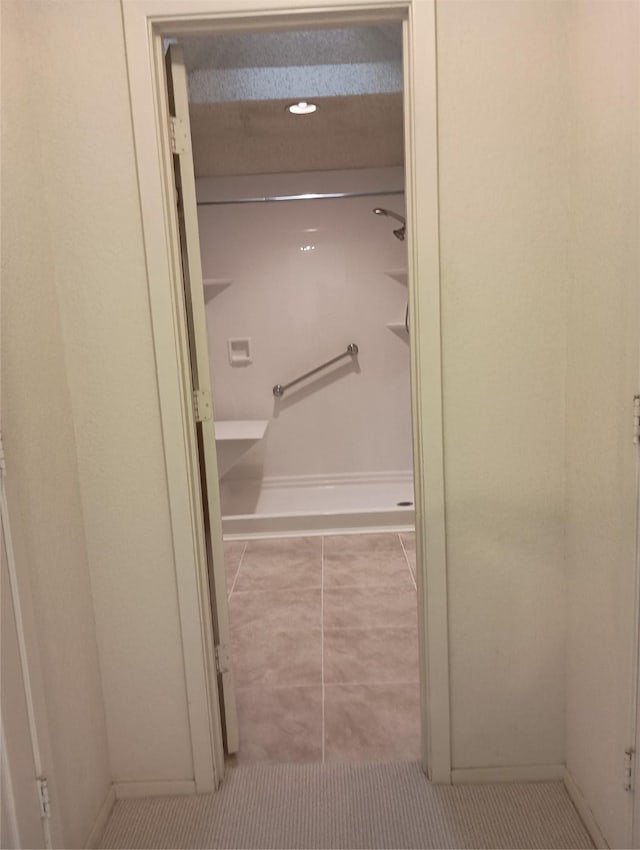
{"x":91,"y":203}
{"x":38,"y":429}
{"x":302,"y":307}
{"x":20,"y":822}
{"x":79,"y":290}
{"x":504,"y":227}
{"x":602,"y":377}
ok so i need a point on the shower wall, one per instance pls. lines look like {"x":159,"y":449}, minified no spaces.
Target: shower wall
{"x":301,"y":280}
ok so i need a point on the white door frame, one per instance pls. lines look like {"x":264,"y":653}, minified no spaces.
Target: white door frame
{"x":145,"y":22}
{"x":32,"y":683}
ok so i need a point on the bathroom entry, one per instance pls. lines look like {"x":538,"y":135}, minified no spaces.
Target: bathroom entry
{"x":147,"y":28}
{"x":304,"y":276}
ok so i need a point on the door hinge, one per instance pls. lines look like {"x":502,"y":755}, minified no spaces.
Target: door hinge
{"x":223,"y":659}
{"x":636,"y":419}
{"x":629,"y":765}
{"x":202,"y":405}
{"x":178,"y":135}
{"x":43,"y":796}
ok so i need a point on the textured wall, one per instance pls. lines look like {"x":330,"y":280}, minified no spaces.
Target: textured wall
{"x":504,"y":226}
{"x":260,"y":137}
{"x":88,"y":197}
{"x":504,"y":162}
{"x":43,"y":479}
{"x":602,"y":377}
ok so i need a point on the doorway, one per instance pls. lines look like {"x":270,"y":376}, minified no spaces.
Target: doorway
{"x":144,"y":29}
{"x":302,"y":240}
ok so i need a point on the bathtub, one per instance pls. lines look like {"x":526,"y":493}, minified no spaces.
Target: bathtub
{"x":317,"y":505}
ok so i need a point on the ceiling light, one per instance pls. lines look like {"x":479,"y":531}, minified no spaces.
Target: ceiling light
{"x":302,"y":108}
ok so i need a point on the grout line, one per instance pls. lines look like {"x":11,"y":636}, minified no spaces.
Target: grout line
{"x":406,"y":557}
{"x":366,"y":584}
{"x":372,"y":628}
{"x":288,"y":588}
{"x":233,"y":586}
{"x":375,"y":684}
{"x":292,"y":588}
{"x":322,"y":632}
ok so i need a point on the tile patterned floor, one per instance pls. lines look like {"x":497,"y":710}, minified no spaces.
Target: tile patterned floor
{"x":324,"y":642}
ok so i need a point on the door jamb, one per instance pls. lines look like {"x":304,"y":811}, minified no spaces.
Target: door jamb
{"x":145,"y":22}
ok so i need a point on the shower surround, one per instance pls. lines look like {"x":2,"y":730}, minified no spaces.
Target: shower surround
{"x":295,"y":282}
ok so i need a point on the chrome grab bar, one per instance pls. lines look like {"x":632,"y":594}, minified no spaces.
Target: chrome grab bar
{"x":352,"y":351}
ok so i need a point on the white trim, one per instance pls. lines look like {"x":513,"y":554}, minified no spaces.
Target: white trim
{"x":31,"y":669}
{"x":144,"y":21}
{"x":100,"y":823}
{"x":633,"y":824}
{"x":588,"y":818}
{"x":264,"y":526}
{"x":507,"y":773}
{"x":8,"y":812}
{"x":425,"y":347}
{"x":155,"y":176}
{"x":160,"y":788}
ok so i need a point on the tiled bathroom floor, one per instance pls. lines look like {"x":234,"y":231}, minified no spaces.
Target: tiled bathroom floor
{"x":324,"y":642}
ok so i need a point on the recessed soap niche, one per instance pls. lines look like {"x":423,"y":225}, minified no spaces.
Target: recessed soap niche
{"x":239,"y":351}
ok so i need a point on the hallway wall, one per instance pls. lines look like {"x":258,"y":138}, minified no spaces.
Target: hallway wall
{"x":504,"y":209}
{"x":602,"y":378}
{"x":85,"y":198}
{"x":43,"y":482}
{"x":504,"y":224}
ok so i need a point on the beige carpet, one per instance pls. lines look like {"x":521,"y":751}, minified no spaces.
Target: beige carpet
{"x":386,"y":805}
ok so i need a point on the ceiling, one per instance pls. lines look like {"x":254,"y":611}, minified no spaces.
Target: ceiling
{"x":268,"y":65}
{"x":239,"y":86}
{"x":295,"y":47}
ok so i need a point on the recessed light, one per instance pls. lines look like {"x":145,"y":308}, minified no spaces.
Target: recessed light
{"x":302,"y":108}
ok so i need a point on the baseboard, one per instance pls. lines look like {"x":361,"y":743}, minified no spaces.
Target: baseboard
{"x":316,"y":525}
{"x":510,"y":773}
{"x":163,"y":788}
{"x":97,"y":831}
{"x":588,"y":818}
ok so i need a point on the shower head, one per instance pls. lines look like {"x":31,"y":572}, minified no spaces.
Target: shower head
{"x":399,"y":233}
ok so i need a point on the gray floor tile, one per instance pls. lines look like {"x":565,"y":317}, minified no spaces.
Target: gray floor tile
{"x":281,"y":563}
{"x":280,"y":724}
{"x":277,"y":657}
{"x":369,"y":607}
{"x":276,"y":609}
{"x":372,"y":722}
{"x":364,"y":559}
{"x":356,"y":656}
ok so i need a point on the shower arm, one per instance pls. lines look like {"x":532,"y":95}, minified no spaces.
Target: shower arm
{"x":391,"y":214}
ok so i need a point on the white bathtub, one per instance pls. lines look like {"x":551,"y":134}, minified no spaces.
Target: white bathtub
{"x":317,"y":505}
